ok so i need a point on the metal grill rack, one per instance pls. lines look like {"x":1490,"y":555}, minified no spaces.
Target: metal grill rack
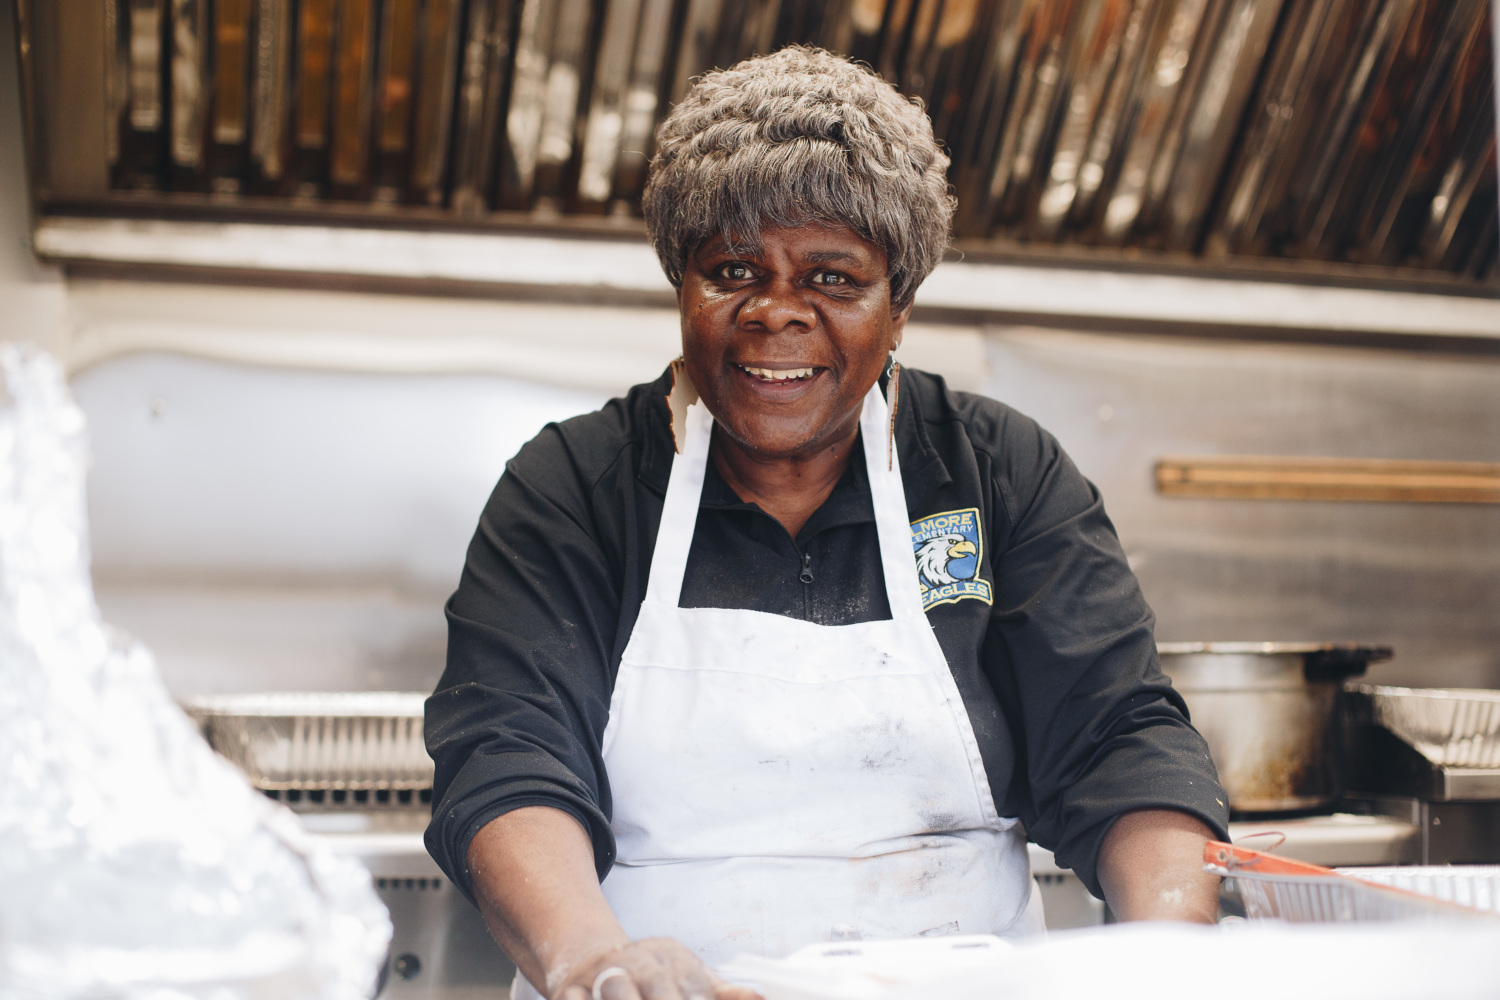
{"x":323,"y":749}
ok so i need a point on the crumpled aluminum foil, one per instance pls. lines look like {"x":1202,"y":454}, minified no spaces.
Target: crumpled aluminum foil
{"x":134,"y":862}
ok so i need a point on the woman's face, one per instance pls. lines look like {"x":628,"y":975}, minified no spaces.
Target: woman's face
{"x":784,"y":344}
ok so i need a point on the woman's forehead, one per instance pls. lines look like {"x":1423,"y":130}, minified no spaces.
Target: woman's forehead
{"x":816,"y":241}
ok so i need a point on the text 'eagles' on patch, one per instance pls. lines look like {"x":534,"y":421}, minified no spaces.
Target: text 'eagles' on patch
{"x":949,"y":549}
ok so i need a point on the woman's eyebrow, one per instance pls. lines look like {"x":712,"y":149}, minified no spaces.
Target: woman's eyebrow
{"x":829,"y":256}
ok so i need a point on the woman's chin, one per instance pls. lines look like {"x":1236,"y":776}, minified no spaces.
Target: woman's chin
{"x":770,"y":437}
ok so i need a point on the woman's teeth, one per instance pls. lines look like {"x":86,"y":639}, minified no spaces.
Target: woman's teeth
{"x":770,"y":375}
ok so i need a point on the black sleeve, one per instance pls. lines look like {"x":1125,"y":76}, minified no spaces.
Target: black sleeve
{"x":518,"y":716}
{"x":1071,"y":651}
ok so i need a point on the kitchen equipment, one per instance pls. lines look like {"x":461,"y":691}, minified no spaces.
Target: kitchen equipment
{"x":440,"y":948}
{"x":1439,"y":748}
{"x":348,"y":743}
{"x":1278,"y":888}
{"x":1451,"y":728}
{"x":355,"y":769}
{"x":1269,"y":711}
{"x":1476,"y":886}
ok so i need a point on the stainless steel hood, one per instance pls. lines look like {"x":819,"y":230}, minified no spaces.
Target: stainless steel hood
{"x":1326,"y":138}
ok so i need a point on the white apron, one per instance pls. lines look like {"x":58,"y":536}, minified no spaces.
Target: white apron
{"x":778,"y":783}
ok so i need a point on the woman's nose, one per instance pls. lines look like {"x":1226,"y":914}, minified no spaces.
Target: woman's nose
{"x":776,"y":307}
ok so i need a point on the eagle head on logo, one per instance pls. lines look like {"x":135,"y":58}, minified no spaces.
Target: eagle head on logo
{"x":935,"y":555}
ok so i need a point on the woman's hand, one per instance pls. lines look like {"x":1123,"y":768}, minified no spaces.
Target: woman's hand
{"x":649,"y":969}
{"x":533,"y":872}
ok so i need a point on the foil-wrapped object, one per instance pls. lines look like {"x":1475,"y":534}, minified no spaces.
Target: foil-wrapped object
{"x":134,"y":862}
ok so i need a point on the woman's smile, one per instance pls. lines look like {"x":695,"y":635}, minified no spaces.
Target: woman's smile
{"x":766,"y":373}
{"x":780,"y":383}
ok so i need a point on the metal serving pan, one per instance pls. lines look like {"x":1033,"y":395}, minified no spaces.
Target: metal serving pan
{"x":320,"y":741}
{"x":1459,"y":727}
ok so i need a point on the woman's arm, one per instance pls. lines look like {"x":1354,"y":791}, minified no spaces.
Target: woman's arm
{"x":533,"y":876}
{"x":1072,"y":656}
{"x":520,"y":711}
{"x":1151,"y":866}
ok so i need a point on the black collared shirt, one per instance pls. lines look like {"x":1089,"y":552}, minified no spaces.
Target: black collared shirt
{"x":1043,"y":624}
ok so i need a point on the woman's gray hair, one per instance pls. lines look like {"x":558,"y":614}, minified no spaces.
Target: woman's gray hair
{"x":799,"y":136}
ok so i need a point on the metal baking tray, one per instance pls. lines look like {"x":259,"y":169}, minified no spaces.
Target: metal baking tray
{"x":320,"y":741}
{"x":1312,"y":899}
{"x":1458,"y":727}
{"x":1474,"y":886}
{"x":1273,"y":887}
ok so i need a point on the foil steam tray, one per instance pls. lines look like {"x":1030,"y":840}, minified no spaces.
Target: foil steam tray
{"x":1459,"y":727}
{"x":1413,"y":893}
{"x":320,"y":741}
{"x":1474,"y":886}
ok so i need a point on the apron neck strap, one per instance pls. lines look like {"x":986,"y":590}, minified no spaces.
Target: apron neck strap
{"x":888,"y":496}
{"x":679,"y":516}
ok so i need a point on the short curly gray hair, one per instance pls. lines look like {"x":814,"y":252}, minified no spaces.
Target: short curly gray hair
{"x":798,"y":136}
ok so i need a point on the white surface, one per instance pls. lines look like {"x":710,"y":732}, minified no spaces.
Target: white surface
{"x":1392,"y":961}
{"x":857,"y":970}
{"x":631,"y":266}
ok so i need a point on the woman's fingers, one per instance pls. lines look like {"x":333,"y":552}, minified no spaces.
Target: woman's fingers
{"x":693,"y":979}
{"x":615,"y":982}
{"x":650,"y":969}
{"x":664,"y":970}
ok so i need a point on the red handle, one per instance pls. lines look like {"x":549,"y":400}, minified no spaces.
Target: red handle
{"x":1228,"y":856}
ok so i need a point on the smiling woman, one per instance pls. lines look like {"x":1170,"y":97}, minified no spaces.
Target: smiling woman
{"x":788,"y":645}
{"x":783,"y":342}
{"x":792,"y":195}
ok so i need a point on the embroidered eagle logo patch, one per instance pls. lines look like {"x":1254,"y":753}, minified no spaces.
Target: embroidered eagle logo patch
{"x":949,"y":548}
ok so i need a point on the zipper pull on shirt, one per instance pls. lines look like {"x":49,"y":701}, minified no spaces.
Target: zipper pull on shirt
{"x":806,"y":576}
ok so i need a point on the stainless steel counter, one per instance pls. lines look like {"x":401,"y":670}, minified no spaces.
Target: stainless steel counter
{"x":440,"y":948}
{"x":1339,"y":840}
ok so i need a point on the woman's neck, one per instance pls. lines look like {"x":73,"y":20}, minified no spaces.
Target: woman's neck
{"x":789,"y":489}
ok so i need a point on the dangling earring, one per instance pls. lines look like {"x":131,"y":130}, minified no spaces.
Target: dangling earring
{"x":893,"y":390}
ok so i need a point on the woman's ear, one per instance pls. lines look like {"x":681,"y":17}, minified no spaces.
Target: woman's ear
{"x":898,"y":325}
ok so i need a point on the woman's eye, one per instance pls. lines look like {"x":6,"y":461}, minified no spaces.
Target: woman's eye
{"x":734,"y":272}
{"x":829,"y":278}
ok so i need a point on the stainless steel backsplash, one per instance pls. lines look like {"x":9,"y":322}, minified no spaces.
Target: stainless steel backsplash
{"x":1423,"y":577}
{"x":277,"y":528}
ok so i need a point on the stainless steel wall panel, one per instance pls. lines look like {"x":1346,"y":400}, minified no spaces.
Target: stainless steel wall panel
{"x":1423,"y":578}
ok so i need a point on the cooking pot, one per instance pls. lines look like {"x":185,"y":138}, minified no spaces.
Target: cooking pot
{"x":1270,"y":714}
